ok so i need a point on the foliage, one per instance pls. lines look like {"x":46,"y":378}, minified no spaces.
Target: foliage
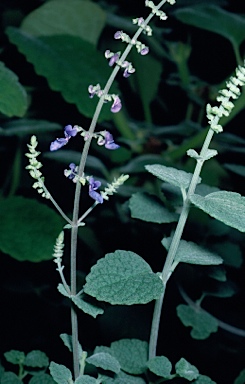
{"x":159,"y":101}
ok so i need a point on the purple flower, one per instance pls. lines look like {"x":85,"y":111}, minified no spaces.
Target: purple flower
{"x":118,"y":35}
{"x":114,"y":59}
{"x":109,"y":142}
{"x":60,"y":142}
{"x":117,"y":105}
{"x":72,"y":167}
{"x":93,"y":186}
{"x":69,"y":131}
{"x":144,"y":51}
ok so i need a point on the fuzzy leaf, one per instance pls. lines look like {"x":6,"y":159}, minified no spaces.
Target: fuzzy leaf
{"x":123,"y":378}
{"x":15,"y":357}
{"x":171,"y":175}
{"x":13,"y":97}
{"x":69,"y":64}
{"x":10,"y":378}
{"x":214,"y":19}
{"x":202,"y":323}
{"x":228,"y":207}
{"x":185,"y":369}
{"x":139,"y":163}
{"x":36,"y":359}
{"x":62,"y":290}
{"x":61,"y":17}
{"x":86,"y":307}
{"x":123,"y":278}
{"x":41,"y":378}
{"x":203,"y":379}
{"x":24,"y":127}
{"x":161,"y":366}
{"x":105,"y":361}
{"x":24,"y":233}
{"x":131,"y":354}
{"x":60,"y":373}
{"x":67,"y":340}
{"x":85,"y":379}
{"x":148,"y":208}
{"x":189,"y":252}
{"x":241,"y":378}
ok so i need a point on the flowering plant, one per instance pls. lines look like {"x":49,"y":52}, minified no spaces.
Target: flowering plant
{"x":122,"y":278}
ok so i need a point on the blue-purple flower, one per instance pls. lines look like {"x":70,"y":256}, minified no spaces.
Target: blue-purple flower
{"x":73,"y":173}
{"x":105,"y":138}
{"x":60,"y":142}
{"x":117,"y":105}
{"x":93,"y":186}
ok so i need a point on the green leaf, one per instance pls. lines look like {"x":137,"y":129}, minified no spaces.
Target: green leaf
{"x":85,"y":379}
{"x":60,"y":17}
{"x":189,"y":252}
{"x":131,"y":354}
{"x":185,"y":369}
{"x":86,"y":307}
{"x":15,"y":357}
{"x":67,"y":340}
{"x":24,"y":127}
{"x":13,"y":97}
{"x":10,"y":378}
{"x":148,"y":208}
{"x":228,"y":207}
{"x":161,"y":366}
{"x":36,"y":359}
{"x":171,"y":175}
{"x":60,"y":373}
{"x":105,"y":361}
{"x":1,"y":370}
{"x":123,"y":277}
{"x":203,"y":379}
{"x":214,"y":19}
{"x":41,"y":378}
{"x":69,"y":64}
{"x":231,"y":253}
{"x":24,"y":233}
{"x":62,"y":290}
{"x":238,"y":169}
{"x":123,"y":378}
{"x":241,"y":378}
{"x":203,"y":323}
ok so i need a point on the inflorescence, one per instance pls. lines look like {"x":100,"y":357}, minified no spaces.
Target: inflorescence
{"x":230,"y":92}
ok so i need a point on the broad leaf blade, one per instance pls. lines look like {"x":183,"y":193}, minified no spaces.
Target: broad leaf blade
{"x":189,"y":252}
{"x":228,"y":207}
{"x":214,"y":19}
{"x":186,"y":370}
{"x":147,"y":208}
{"x":87,"y":307}
{"x":36,"y":359}
{"x":171,"y":175}
{"x":202,"y":323}
{"x":105,"y":361}
{"x":13,"y":97}
{"x":24,"y":232}
{"x":131,"y":354}
{"x":60,"y":373}
{"x":10,"y":378}
{"x":41,"y":378}
{"x":69,"y":64}
{"x":161,"y":366}
{"x":61,"y":17}
{"x":24,"y":127}
{"x":123,"y":278}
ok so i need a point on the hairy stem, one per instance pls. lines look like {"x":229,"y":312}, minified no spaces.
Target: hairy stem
{"x":167,"y":269}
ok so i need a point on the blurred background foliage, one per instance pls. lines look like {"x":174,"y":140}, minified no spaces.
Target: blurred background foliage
{"x":50,"y":51}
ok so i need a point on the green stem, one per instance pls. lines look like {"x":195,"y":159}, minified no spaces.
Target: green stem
{"x":75,"y":220}
{"x":167,"y":269}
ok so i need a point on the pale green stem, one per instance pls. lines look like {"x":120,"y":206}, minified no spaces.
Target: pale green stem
{"x":55,"y":204}
{"x":75,"y":222}
{"x":60,"y":270}
{"x":167,"y":269}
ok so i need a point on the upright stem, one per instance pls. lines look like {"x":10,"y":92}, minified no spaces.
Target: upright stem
{"x":75,"y":220}
{"x":166,"y":272}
